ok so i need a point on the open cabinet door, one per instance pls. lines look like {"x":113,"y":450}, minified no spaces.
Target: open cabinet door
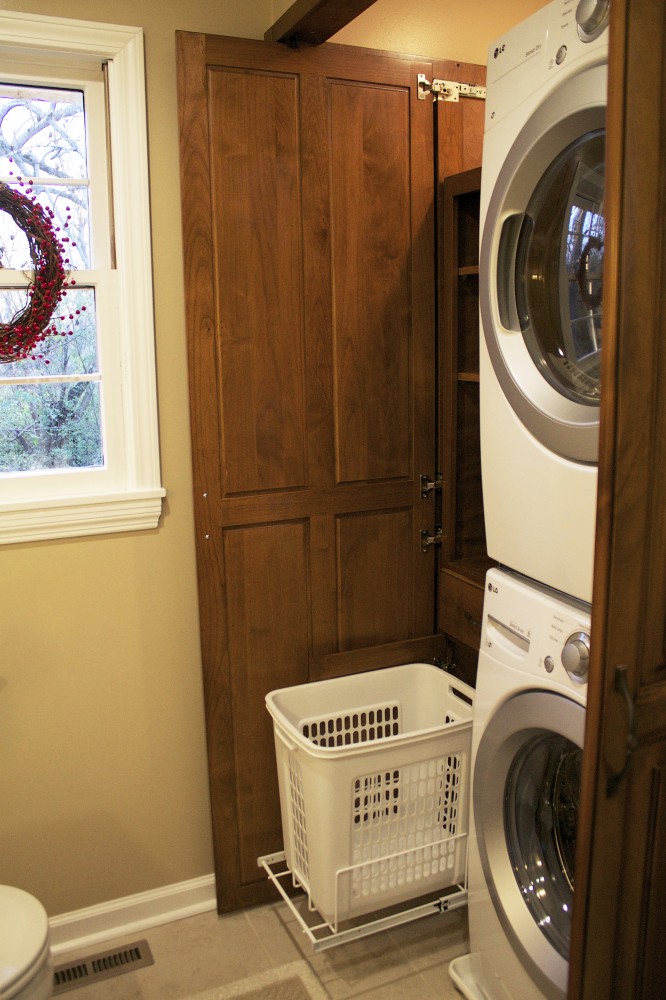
{"x":620,"y":911}
{"x":308,"y":183}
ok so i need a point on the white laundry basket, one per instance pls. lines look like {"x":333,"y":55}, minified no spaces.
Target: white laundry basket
{"x":374,"y":774}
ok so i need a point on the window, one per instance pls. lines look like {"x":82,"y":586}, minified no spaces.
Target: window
{"x":78,"y":417}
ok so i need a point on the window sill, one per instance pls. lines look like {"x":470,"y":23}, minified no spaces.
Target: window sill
{"x":95,"y":515}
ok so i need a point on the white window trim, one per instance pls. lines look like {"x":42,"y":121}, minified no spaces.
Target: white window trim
{"x":138,"y":505}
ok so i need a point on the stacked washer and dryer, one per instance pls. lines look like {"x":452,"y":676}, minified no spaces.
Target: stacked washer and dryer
{"x":541,"y":257}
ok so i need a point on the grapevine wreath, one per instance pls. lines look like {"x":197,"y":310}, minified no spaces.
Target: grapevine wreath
{"x":32,"y":324}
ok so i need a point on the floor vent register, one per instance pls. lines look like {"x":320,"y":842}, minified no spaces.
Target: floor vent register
{"x":105,"y":965}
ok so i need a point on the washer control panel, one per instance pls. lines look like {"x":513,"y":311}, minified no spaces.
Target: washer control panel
{"x":576,"y":656}
{"x":535,"y":629}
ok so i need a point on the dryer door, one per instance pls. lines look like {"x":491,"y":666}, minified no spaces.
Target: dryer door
{"x":541,"y":268}
{"x":526,"y":793}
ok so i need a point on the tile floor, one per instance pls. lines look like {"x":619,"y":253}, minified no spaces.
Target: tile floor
{"x":205,"y":951}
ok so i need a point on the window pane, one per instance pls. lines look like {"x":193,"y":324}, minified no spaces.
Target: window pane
{"x":72,"y":352}
{"x":50,"y":426}
{"x":70,"y":223}
{"x":43,"y":135}
{"x":42,"y":132}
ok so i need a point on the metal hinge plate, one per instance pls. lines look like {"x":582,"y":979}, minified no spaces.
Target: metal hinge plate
{"x":427,"y":539}
{"x":428,"y":485}
{"x":448,"y":90}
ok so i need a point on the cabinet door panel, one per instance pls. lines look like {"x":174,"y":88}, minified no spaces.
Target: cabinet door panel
{"x":619,"y":913}
{"x":255,"y":194}
{"x":266,"y":578}
{"x":374,"y":603}
{"x":373,"y":335}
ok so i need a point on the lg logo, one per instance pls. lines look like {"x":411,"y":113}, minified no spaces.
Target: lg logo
{"x":498,"y":51}
{"x":492,"y":589}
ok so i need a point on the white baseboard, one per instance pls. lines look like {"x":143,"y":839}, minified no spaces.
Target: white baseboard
{"x":131,"y":914}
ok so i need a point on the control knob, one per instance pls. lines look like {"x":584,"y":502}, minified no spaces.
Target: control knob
{"x":592,"y":18}
{"x":576,"y":656}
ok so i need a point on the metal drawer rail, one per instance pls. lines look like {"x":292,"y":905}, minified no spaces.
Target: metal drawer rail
{"x":323,"y":935}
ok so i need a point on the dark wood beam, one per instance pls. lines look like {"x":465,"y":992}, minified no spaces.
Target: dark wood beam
{"x":314,"y":21}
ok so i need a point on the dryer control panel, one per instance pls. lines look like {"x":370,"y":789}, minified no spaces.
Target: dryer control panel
{"x":592,"y":18}
{"x":535,"y":629}
{"x":536,"y":54}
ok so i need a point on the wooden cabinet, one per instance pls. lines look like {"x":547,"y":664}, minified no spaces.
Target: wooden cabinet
{"x":309,"y":230}
{"x":464,"y":559}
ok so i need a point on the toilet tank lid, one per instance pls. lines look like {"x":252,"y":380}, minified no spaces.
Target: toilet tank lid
{"x":24,"y":928}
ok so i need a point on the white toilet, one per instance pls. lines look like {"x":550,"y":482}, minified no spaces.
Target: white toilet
{"x":25,"y":962}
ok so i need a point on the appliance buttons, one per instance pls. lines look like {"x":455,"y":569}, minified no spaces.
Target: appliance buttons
{"x":592,"y":18}
{"x":576,"y":656}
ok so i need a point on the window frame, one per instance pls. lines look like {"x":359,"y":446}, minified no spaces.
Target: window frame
{"x":131,"y":499}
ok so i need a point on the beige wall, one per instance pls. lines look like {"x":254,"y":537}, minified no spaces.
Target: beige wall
{"x":103,"y":784}
{"x":445,"y":28}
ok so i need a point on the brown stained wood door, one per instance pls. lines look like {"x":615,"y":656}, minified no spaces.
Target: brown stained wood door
{"x":618,"y":948}
{"x":308,"y":183}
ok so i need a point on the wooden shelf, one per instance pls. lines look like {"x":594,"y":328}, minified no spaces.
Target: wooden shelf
{"x":472,"y":569}
{"x":464,"y":559}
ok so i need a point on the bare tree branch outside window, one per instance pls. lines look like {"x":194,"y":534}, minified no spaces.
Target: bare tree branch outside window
{"x":50,"y":414}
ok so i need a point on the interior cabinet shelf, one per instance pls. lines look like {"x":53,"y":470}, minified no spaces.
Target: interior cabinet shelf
{"x":473,"y":569}
{"x":464,"y":559}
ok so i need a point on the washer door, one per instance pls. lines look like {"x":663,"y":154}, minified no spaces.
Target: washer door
{"x":526,"y":793}
{"x":541,"y":268}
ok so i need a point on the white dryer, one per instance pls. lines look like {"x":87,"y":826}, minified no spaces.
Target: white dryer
{"x":541,"y":255}
{"x":527,"y":739}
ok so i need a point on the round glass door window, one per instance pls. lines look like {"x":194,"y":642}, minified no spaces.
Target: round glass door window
{"x":541,"y":799}
{"x":559,"y":270}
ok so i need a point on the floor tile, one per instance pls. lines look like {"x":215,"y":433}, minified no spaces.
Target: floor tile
{"x":278,"y":932}
{"x":352,"y":969}
{"x":208,"y":951}
{"x":434,"y":939}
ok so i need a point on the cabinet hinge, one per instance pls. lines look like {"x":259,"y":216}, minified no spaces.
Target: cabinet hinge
{"x":428,"y":485}
{"x":448,"y":665}
{"x":427,"y":539}
{"x":448,"y":90}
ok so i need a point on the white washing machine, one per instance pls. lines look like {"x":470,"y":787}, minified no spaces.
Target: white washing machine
{"x":527,"y":739}
{"x":541,"y":255}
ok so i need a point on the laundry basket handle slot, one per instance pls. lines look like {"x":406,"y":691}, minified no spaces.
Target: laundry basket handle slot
{"x":462,"y":694}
